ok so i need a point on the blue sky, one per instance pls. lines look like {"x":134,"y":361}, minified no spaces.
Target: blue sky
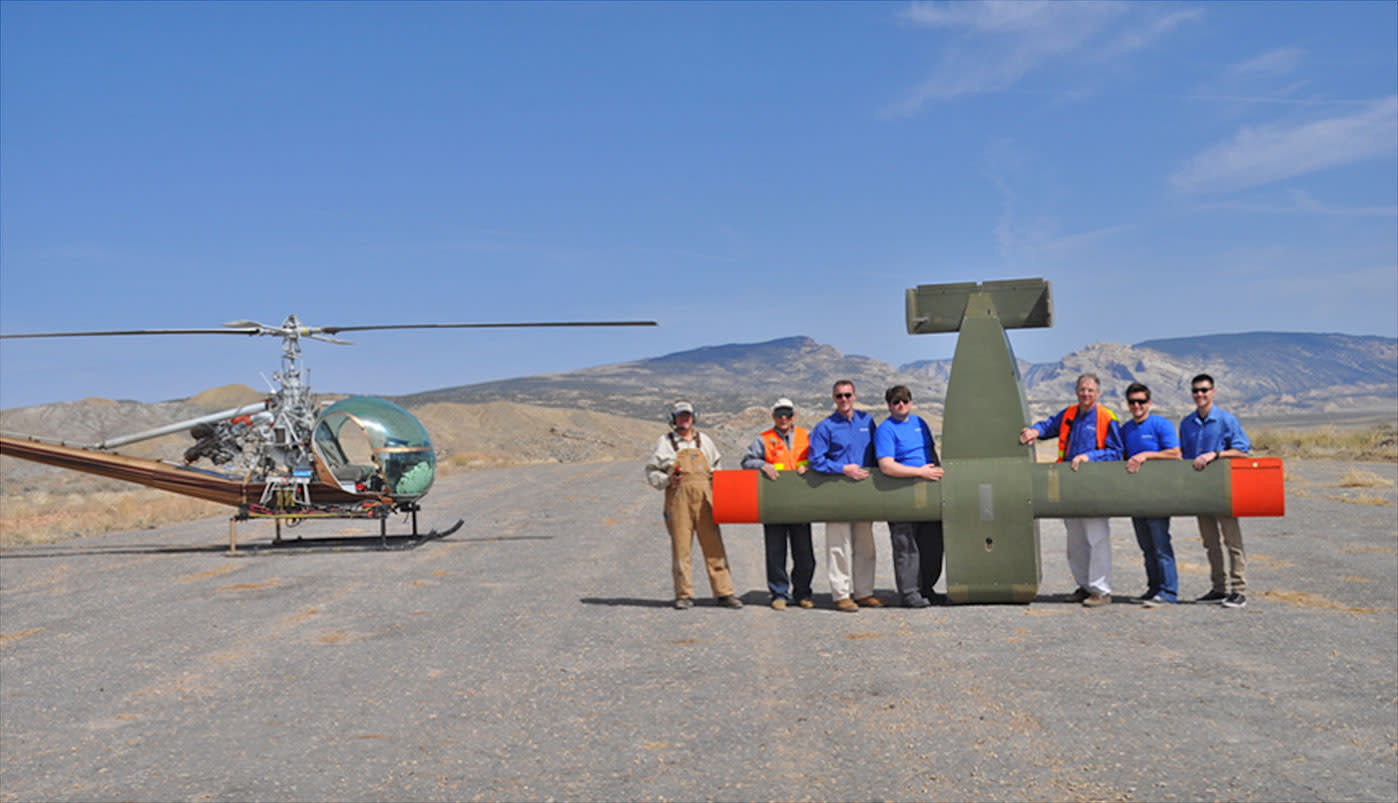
{"x":737,"y":171}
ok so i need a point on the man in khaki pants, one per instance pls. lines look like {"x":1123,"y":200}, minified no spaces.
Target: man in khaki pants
{"x":683,"y":466}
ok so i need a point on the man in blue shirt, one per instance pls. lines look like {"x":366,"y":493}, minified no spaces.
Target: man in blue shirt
{"x":843,"y":444}
{"x":904,"y":447}
{"x":1208,"y":434}
{"x":1086,"y":431}
{"x":1151,"y":437}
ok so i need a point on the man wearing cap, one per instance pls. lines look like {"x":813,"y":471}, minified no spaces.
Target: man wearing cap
{"x":904,"y":447}
{"x":843,"y":443}
{"x":683,"y":466}
{"x":784,"y":447}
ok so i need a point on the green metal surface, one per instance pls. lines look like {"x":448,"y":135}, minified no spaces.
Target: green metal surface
{"x":795,"y":498}
{"x":1160,"y":488}
{"x":1019,"y":303}
{"x":992,"y":540}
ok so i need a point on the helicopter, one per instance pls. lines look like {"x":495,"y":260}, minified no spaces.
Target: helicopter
{"x":281,"y":458}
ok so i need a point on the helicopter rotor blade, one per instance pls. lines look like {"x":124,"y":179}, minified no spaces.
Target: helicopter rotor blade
{"x":245,"y":327}
{"x":337,"y":341}
{"x":239,"y":331}
{"x":337,"y":329}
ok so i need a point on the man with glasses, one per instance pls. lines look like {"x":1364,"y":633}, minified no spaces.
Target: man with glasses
{"x":1151,"y":437}
{"x":904,"y":447}
{"x":1086,"y":431}
{"x":843,"y":443}
{"x":785,"y":447}
{"x":1208,"y":434}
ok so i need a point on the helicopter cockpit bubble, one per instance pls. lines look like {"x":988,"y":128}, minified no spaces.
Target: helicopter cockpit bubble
{"x":387,"y":450}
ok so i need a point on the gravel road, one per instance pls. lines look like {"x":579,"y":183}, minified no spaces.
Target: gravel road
{"x":533,"y":655}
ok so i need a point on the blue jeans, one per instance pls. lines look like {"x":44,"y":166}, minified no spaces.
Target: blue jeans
{"x":1153,"y":535}
{"x":775,"y":537}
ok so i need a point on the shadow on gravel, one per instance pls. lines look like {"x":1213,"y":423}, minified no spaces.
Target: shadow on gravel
{"x":130,"y":549}
{"x":633,"y":602}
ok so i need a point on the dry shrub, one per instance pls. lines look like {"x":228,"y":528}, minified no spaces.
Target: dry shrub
{"x":1358,"y":478}
{"x":1362,"y":499}
{"x":1329,"y":443}
{"x":42,"y":517}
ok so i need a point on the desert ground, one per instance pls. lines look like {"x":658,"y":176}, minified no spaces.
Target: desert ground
{"x":533,"y":654}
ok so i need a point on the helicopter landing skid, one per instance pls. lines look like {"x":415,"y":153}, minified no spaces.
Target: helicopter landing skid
{"x":333,"y":543}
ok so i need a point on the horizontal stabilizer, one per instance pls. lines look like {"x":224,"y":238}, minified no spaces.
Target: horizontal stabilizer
{"x":1019,"y":304}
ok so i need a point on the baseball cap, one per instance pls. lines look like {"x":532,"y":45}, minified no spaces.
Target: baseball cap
{"x":682,"y":406}
{"x":783,"y":402}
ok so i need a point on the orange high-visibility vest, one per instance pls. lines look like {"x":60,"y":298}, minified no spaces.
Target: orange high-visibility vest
{"x":1066,"y":426}
{"x":779,"y":456}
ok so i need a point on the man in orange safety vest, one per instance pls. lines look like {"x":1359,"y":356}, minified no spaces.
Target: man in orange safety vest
{"x":785,"y":447}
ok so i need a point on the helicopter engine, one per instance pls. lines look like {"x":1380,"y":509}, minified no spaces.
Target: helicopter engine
{"x":235,"y":439}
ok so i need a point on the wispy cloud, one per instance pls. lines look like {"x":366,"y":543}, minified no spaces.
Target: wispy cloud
{"x":1263,"y":154}
{"x":1281,"y":61}
{"x":1003,"y":41}
{"x":1299,"y":202}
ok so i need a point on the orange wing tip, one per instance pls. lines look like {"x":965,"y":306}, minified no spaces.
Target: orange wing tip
{"x":735,"y":497}
{"x":1258,"y":486}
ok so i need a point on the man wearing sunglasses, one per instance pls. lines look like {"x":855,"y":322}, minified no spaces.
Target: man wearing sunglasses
{"x":904,"y":447}
{"x":1206,"y":435}
{"x":785,"y":447}
{"x":843,"y":443}
{"x":1085,"y":431}
{"x":1151,"y":437}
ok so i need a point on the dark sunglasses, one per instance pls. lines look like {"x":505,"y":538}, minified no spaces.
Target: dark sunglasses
{"x":1197,"y":391}
{"x":1134,"y":402}
{"x":844,"y":395}
{"x":783,"y":413}
{"x":901,"y":401}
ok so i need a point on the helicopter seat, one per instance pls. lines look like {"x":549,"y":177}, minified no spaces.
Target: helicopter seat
{"x":353,"y":474}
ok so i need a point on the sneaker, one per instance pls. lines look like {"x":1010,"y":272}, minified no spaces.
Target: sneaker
{"x":1235,"y":601}
{"x":1214,"y":597}
{"x":1095,"y":600}
{"x":683,"y":603}
{"x":1149,"y":595}
{"x":778,"y":604}
{"x":1079,"y":595}
{"x":730,"y":601}
{"x":1156,"y":601}
{"x":804,"y":603}
{"x":846,"y":604}
{"x":916,"y":601}
{"x":938,"y":599}
{"x":870,"y":601}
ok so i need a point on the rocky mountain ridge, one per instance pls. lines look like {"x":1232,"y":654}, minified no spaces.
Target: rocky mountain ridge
{"x":1262,"y":373}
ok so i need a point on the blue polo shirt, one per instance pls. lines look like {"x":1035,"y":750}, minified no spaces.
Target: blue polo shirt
{"x":836,"y":442}
{"x":909,"y":442}
{"x":1155,"y":434}
{"x":1219,"y":431}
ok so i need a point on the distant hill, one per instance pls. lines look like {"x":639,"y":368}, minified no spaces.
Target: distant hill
{"x":1264,"y":373}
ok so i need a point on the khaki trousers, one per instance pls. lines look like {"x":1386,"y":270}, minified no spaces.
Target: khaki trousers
{"x":1232,"y":538}
{"x":688,"y":511}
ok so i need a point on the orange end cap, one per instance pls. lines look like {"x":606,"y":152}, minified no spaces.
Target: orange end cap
{"x":1258,"y":488}
{"x":735,"y":497}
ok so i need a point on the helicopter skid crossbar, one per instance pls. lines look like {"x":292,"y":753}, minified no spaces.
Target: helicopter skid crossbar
{"x":299,"y":513}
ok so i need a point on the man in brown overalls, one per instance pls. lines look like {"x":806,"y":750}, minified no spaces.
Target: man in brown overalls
{"x":683,"y":466}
